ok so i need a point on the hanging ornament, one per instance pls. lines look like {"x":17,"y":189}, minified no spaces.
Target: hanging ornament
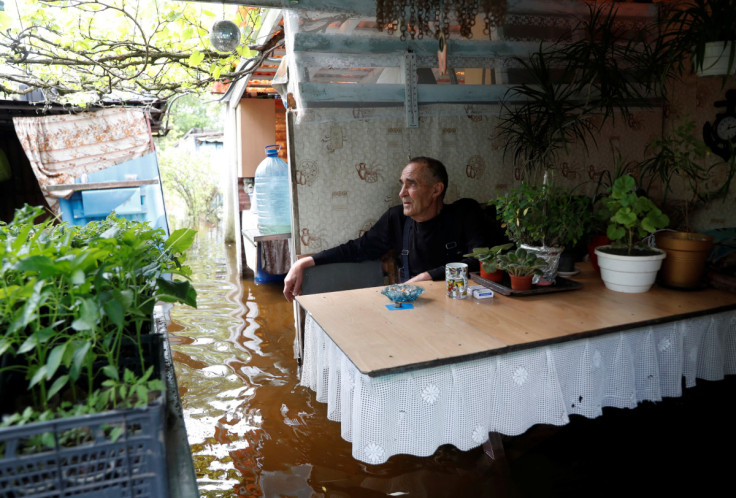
{"x":442,"y":54}
{"x":225,"y":36}
{"x":423,"y":16}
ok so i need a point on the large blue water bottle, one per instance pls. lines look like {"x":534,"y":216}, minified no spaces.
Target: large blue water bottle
{"x":272,"y":198}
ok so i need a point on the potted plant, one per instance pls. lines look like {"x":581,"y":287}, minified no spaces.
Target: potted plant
{"x":703,"y":32}
{"x":683,"y":164}
{"x":572,"y":89}
{"x":627,"y":264}
{"x":599,"y":222}
{"x":543,"y":219}
{"x":488,"y":257}
{"x":521,"y":266}
{"x":79,"y":365}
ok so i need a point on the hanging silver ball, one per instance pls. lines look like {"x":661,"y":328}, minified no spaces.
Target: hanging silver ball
{"x":225,"y":36}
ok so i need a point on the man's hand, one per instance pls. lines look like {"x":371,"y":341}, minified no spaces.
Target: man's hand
{"x":293,"y":279}
{"x":419,"y":278}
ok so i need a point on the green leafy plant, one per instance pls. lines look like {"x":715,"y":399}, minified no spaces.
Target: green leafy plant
{"x":631,"y":217}
{"x":696,"y":23}
{"x":488,"y":256}
{"x":521,"y":263}
{"x":575,"y":86}
{"x":681,"y":157}
{"x":543,"y":215}
{"x":75,"y":298}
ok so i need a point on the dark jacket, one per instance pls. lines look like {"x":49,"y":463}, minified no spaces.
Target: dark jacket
{"x":461,"y":221}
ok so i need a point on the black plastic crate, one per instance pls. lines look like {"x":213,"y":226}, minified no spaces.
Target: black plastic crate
{"x":84,"y":460}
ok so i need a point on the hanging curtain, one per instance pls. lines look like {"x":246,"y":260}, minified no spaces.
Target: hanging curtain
{"x":64,"y":147}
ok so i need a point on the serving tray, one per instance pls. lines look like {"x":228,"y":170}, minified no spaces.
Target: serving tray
{"x":561,"y":284}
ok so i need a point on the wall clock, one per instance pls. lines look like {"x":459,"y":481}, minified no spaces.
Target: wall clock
{"x":720,"y":135}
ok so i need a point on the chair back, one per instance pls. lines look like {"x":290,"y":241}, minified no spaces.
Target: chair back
{"x":342,"y":276}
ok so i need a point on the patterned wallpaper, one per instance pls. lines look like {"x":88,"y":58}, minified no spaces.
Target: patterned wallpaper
{"x":697,"y":97}
{"x":348,"y":162}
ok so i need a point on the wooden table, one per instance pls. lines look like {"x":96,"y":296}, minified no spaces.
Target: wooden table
{"x":440,"y":330}
{"x":464,"y":372}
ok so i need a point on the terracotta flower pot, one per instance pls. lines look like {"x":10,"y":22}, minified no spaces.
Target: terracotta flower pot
{"x":496,"y":276}
{"x":521,"y":283}
{"x":686,"y":256}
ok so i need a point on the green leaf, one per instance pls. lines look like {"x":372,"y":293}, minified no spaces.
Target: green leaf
{"x":128,"y":376}
{"x":89,"y":314}
{"x":114,"y":311}
{"x":180,"y":240}
{"x":10,"y":291}
{"x":111,"y":372}
{"x":110,"y":233}
{"x":141,"y":394}
{"x":115,"y":433}
{"x":196,"y":58}
{"x":29,"y":344}
{"x":625,"y":216}
{"x":124,"y":297}
{"x":173,"y":291}
{"x":156,"y":385}
{"x":80,"y":354}
{"x":57,"y":385}
{"x":30,"y":307}
{"x":54,"y":360}
{"x":78,"y":277}
{"x":38,"y":376}
{"x":147,"y":374}
{"x":43,"y":265}
{"x":615,"y":232}
{"x":4,"y":345}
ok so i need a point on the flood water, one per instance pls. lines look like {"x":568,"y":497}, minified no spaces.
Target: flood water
{"x":254,"y":431}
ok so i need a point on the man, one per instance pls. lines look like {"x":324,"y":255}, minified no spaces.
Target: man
{"x":423,"y":231}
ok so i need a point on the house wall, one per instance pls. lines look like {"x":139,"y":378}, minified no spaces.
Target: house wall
{"x":256,"y":122}
{"x":702,"y":98}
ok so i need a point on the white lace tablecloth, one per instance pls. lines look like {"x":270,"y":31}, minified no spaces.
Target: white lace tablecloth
{"x":417,"y":411}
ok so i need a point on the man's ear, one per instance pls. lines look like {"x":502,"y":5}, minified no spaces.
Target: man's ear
{"x":437,"y":189}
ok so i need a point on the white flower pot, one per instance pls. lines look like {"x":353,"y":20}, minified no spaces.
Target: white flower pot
{"x":715,"y":59}
{"x":630,"y":274}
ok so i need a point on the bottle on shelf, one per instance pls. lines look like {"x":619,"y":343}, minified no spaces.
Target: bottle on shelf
{"x":271,"y":194}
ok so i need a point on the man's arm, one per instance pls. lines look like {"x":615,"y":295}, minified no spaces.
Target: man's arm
{"x":372,"y":245}
{"x":295,"y":277}
{"x":420,"y":278}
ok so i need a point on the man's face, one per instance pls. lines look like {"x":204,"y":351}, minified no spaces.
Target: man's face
{"x":419,"y":192}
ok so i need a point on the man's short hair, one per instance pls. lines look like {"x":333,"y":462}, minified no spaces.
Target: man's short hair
{"x":435,"y":168}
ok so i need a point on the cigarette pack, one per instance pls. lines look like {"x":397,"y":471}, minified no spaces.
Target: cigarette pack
{"x":480,"y":292}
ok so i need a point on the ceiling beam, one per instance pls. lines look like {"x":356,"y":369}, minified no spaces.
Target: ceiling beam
{"x":454,"y":61}
{"x":324,"y":94}
{"x":376,"y":45}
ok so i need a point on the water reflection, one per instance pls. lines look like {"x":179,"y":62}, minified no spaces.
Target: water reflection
{"x":252,"y":429}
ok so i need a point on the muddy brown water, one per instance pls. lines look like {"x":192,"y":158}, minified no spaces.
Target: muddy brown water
{"x":254,"y":431}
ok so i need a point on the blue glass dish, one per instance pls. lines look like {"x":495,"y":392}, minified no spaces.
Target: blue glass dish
{"x":402,"y":293}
